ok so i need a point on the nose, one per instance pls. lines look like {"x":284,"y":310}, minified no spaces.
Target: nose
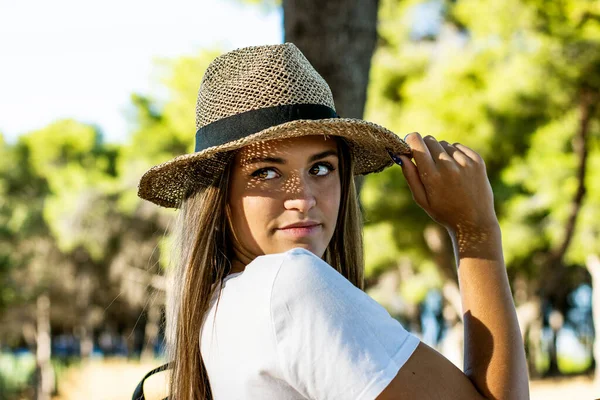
{"x":299,"y":195}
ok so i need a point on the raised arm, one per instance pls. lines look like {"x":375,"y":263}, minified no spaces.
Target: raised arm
{"x":450,"y":183}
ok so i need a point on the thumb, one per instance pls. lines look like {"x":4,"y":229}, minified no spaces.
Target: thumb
{"x":411,"y":174}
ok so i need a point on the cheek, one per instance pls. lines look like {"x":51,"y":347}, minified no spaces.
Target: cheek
{"x":330,"y":200}
{"x":258,"y":212}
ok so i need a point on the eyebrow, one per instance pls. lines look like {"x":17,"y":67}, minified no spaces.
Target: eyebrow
{"x":277,"y":160}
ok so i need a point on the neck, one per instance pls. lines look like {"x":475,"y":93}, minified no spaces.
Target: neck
{"x":240,"y":260}
{"x":237,"y":266}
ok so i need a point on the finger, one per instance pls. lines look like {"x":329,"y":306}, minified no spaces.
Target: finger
{"x":458,"y":156}
{"x":421,"y":153}
{"x":468,"y":152}
{"x":437,"y":151}
{"x":411,"y":174}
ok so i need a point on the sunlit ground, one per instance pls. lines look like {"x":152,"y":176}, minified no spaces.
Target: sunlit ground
{"x":116,"y":379}
{"x":110,"y":379}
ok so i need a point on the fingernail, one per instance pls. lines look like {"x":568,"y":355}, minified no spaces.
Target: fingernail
{"x":406,"y":137}
{"x":395,"y":158}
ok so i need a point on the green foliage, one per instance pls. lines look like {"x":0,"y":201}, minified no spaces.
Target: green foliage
{"x":380,"y":248}
{"x":415,"y":289}
{"x":59,"y":144}
{"x":169,"y":130}
{"x":510,"y":88}
{"x":163,"y":131}
{"x":15,"y":373}
{"x":569,"y":365}
{"x":393,"y":222}
{"x":71,"y":223}
{"x":78,"y":168}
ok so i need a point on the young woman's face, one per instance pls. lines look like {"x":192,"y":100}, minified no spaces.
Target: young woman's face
{"x":280,"y":183}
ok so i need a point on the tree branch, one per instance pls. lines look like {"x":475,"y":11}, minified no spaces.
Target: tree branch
{"x":588,"y":101}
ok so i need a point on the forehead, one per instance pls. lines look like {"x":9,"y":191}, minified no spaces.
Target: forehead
{"x":303,"y":146}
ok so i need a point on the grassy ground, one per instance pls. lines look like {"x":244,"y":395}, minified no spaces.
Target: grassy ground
{"x":116,"y":379}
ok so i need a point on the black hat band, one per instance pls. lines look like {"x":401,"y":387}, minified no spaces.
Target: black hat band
{"x":247,"y":123}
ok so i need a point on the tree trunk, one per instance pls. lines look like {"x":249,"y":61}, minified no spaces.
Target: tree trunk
{"x":338,"y":37}
{"x":86,"y":341}
{"x":151,"y":331}
{"x":530,"y":324}
{"x":552,"y":277}
{"x":556,"y":321}
{"x":85,"y":329}
{"x":44,"y":373}
{"x":552,"y":284}
{"x":534,"y":346}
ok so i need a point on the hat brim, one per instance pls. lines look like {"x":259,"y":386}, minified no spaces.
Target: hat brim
{"x":167,"y":184}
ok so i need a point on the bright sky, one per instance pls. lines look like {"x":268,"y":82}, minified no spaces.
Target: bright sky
{"x":83,"y":59}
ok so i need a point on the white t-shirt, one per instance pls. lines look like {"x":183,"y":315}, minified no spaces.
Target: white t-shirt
{"x":291,"y":327}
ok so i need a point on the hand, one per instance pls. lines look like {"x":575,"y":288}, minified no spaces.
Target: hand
{"x":450,"y":183}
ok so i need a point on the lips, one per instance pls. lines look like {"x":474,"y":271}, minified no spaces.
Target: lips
{"x":302,"y":224}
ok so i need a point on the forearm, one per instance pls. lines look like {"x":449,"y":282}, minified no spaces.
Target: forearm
{"x":493,"y":351}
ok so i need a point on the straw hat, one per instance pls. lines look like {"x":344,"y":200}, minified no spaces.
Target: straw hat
{"x":256,"y":94}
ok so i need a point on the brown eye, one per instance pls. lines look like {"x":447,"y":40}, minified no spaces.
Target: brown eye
{"x":322,"y":169}
{"x":265,"y":174}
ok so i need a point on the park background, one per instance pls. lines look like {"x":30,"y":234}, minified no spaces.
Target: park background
{"x":94,"y":93}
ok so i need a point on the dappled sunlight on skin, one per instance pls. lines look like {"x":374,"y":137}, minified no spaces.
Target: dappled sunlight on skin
{"x":469,"y":239}
{"x":281,"y":182}
{"x":247,"y":157}
{"x":473,"y":241}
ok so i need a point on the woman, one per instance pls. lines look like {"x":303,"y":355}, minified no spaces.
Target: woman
{"x":266,"y":299}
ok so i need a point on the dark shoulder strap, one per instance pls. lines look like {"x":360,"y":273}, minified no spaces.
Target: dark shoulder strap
{"x":138,"y":393}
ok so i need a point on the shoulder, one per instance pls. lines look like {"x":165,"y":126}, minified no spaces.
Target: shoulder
{"x":306,"y":282}
{"x":300,"y":270}
{"x":332,"y":339}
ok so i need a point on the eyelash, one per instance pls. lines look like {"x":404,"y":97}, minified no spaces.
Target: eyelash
{"x":324,"y":163}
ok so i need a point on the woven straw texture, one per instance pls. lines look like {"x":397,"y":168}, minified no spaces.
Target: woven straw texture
{"x":259,"y":77}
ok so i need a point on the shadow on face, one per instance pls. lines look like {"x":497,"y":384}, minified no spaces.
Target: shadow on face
{"x":279,"y":183}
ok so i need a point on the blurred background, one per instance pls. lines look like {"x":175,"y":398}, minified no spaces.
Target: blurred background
{"x":92,"y":94}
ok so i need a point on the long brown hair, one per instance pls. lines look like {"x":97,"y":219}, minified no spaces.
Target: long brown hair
{"x":202,"y":260}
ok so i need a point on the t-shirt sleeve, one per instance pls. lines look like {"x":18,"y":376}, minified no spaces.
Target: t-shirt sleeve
{"x":333,"y":340}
